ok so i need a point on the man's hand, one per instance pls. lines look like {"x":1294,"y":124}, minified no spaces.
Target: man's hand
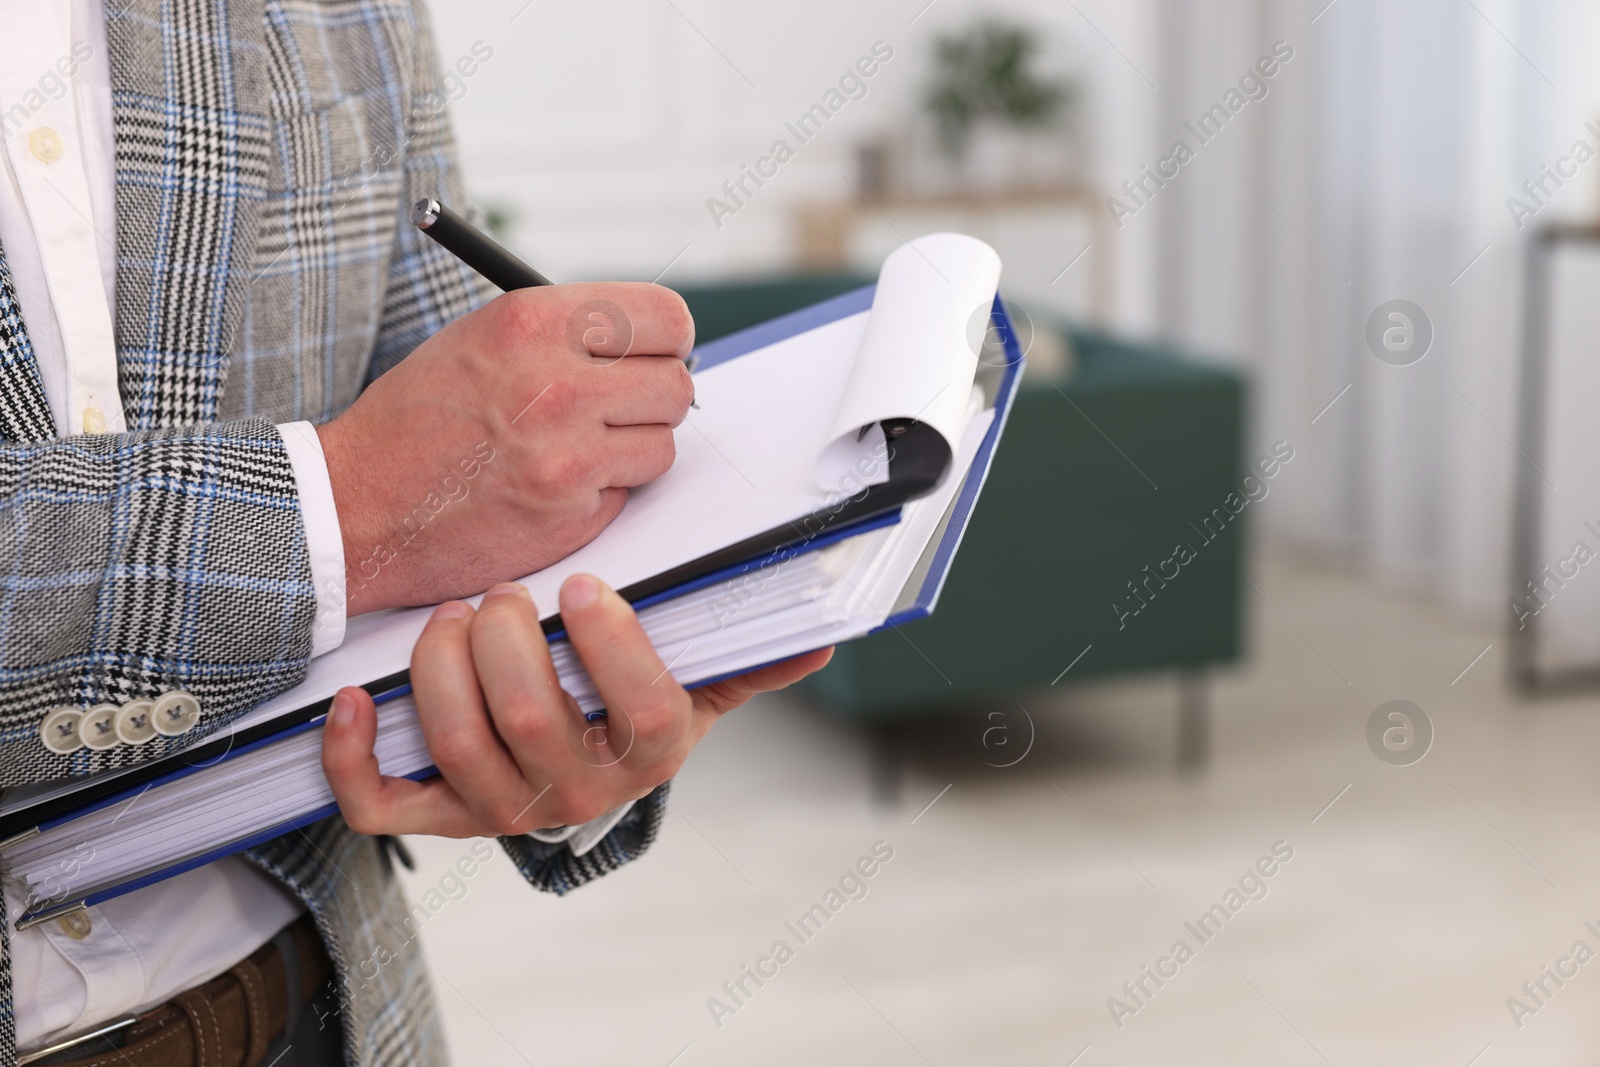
{"x":507,"y":440}
{"x":513,"y":750}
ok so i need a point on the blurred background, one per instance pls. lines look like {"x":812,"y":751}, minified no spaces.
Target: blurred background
{"x":1307,"y":286}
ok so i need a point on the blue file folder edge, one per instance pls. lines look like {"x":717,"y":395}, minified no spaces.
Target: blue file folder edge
{"x":708,"y":355}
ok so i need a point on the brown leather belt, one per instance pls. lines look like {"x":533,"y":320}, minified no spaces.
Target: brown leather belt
{"x":230,"y":1021}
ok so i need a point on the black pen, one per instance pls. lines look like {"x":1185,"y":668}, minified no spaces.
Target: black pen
{"x":477,"y":250}
{"x":473,"y":247}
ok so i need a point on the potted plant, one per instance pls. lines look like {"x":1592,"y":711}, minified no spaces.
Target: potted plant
{"x":999,"y":122}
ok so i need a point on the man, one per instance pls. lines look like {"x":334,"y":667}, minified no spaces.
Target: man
{"x":202,"y":254}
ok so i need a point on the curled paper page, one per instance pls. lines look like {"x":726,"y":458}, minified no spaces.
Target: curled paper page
{"x":919,"y":354}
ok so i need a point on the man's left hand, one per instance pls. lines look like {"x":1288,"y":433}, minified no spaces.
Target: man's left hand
{"x":513,"y":750}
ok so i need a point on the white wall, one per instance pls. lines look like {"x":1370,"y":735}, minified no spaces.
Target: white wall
{"x":604,"y":125}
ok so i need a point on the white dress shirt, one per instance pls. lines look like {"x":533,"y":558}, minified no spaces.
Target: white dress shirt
{"x":57,"y":229}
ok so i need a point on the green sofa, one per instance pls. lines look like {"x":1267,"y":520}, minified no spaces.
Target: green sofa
{"x":1099,"y":476}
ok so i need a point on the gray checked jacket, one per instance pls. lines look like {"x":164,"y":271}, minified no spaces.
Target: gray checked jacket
{"x":266,"y":151}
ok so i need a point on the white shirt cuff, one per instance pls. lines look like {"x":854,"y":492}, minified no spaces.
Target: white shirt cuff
{"x":583,"y":837}
{"x":324,"y":540}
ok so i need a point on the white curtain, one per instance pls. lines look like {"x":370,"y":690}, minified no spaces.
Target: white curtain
{"x":1377,"y":168}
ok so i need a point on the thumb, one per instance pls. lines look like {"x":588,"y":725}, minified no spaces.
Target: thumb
{"x":348,"y":737}
{"x":719,"y":698}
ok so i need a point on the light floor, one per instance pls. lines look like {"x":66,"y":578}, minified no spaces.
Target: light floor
{"x":1016,"y":905}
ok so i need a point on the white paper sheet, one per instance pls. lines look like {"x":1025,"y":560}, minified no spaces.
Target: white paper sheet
{"x":919,"y":353}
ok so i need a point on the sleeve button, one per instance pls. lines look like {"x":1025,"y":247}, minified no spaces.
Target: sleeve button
{"x":59,"y":732}
{"x":175,"y":713}
{"x":136,"y":722}
{"x":97,"y":728}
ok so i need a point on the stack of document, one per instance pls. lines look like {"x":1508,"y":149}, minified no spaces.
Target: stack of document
{"x":820,"y":493}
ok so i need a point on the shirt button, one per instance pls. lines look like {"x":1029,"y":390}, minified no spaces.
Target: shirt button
{"x":175,"y":713}
{"x":94,"y":420}
{"x":59,"y":732}
{"x":136,"y":722}
{"x":75,"y":925}
{"x":97,"y":729}
{"x":45,"y":143}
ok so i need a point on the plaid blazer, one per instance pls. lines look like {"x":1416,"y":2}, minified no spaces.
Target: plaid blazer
{"x":266,"y":152}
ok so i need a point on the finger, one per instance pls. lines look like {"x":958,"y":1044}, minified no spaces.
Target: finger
{"x":713,"y":701}
{"x":643,"y":390}
{"x":785,"y":673}
{"x":648,"y":712}
{"x":539,"y":722}
{"x":529,"y":710}
{"x":635,"y":455}
{"x":766,"y":679}
{"x":371,"y":802}
{"x":614,"y":319}
{"x":460,"y":736}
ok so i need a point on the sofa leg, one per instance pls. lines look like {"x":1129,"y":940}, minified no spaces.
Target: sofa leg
{"x":887,"y":761}
{"x":1194,"y":725}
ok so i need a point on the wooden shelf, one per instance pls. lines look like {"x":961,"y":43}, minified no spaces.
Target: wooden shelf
{"x":826,"y":230}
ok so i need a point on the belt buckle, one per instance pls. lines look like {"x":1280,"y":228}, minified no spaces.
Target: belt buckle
{"x":119,"y":1023}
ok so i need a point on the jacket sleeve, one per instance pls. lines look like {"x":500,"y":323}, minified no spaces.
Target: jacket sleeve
{"x":139,"y":564}
{"x":554,"y":869}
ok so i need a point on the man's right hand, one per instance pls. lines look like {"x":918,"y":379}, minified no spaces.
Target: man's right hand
{"x":507,"y":440}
